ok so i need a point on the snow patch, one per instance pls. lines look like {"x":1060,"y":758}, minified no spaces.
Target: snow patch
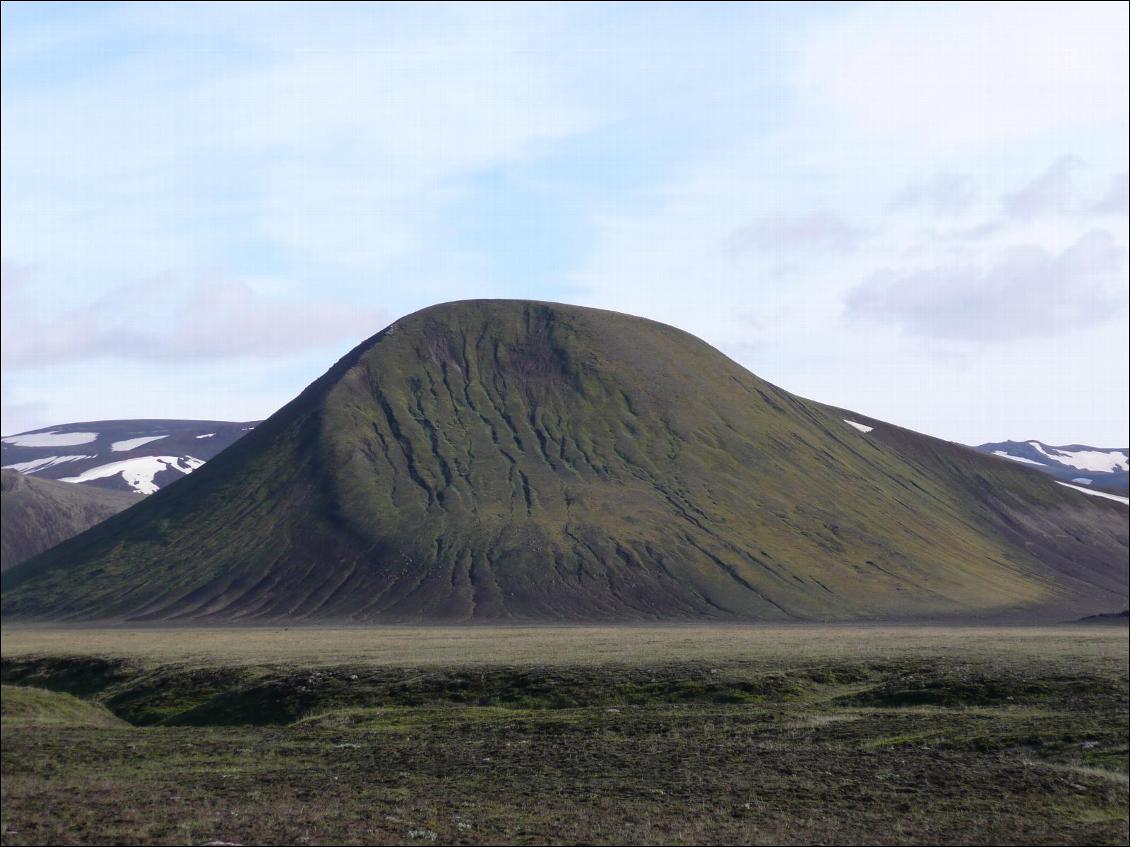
{"x":1105,"y":461}
{"x":139,"y":473}
{"x":44,"y":463}
{"x":1094,"y":493}
{"x":131,"y":443}
{"x":1019,"y":458}
{"x":50,"y":439}
{"x":1083,"y":480}
{"x":206,"y":435}
{"x":859,"y":426}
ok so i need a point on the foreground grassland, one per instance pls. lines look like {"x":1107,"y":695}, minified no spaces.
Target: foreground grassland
{"x":564,"y":735}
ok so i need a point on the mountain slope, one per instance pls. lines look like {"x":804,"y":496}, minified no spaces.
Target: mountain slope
{"x":505,"y":460}
{"x":1107,"y":468}
{"x":139,"y":456}
{"x":37,"y":514}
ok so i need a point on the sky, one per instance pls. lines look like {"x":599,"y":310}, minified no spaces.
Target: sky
{"x":915,"y":211}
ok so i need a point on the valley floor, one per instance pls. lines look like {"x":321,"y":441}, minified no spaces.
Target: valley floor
{"x":563,"y":735}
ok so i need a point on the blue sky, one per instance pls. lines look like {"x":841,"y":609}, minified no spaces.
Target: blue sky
{"x":916,"y":211}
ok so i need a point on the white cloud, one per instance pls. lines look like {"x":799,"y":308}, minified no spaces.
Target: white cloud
{"x":1054,"y":191}
{"x":1116,"y":201}
{"x":326,"y":146}
{"x":1020,"y":291}
{"x":821,"y":230}
{"x":163,"y":320}
{"x":343,"y":144}
{"x":942,"y":194}
{"x":946,"y":75}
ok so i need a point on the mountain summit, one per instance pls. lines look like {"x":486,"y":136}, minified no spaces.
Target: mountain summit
{"x":505,"y":460}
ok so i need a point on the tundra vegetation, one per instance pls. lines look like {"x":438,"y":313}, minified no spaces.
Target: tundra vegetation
{"x":723,"y":734}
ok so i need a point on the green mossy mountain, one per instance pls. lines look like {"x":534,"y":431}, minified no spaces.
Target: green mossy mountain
{"x":502,"y":460}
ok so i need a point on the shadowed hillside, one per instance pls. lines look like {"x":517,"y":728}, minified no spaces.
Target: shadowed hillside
{"x":39,"y":513}
{"x":506,"y":460}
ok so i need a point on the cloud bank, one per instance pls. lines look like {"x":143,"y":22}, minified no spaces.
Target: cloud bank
{"x":1022,"y":291}
{"x":162,"y":321}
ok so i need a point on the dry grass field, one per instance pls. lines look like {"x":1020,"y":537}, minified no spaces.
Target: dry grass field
{"x":805,"y":734}
{"x":565,"y":645}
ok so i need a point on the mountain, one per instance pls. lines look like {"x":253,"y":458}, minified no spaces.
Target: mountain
{"x":39,"y":513}
{"x":500,"y":460}
{"x":138,"y":456}
{"x":1110,"y":618}
{"x":1106,"y":468}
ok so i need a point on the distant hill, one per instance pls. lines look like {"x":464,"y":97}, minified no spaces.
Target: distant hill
{"x":138,"y":456}
{"x":513,"y":461}
{"x":1112,"y":618}
{"x":1105,"y":468}
{"x":39,"y":513}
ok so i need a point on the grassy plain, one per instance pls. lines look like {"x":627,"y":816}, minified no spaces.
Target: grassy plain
{"x":799,"y":734}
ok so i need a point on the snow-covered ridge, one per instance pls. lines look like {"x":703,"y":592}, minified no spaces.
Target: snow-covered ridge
{"x":139,"y":473}
{"x":1105,"y":468}
{"x":131,"y":443}
{"x":112,"y":441}
{"x":51,"y":439}
{"x":1104,"y":461}
{"x":1018,"y":458}
{"x":1117,"y":498}
{"x":44,"y":463}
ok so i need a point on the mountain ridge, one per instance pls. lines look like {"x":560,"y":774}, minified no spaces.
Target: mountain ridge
{"x":137,"y":455}
{"x":1104,"y":468}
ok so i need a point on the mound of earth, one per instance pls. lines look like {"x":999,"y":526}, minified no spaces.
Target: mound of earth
{"x":501,"y":460}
